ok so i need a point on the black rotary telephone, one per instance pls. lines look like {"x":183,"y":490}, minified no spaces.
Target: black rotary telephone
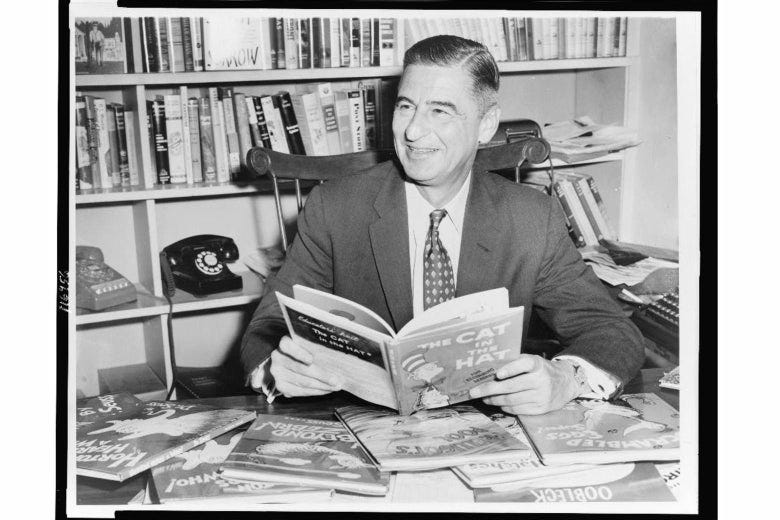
{"x":197,"y":265}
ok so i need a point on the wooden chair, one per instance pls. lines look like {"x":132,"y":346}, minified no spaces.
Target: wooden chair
{"x":280,"y":166}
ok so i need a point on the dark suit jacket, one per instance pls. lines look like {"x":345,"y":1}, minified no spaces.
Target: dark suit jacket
{"x":353,"y":241}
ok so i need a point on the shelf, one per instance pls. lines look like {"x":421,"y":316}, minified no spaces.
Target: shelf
{"x":610,"y":157}
{"x":144,"y":306}
{"x":317,"y":74}
{"x":171,"y":191}
{"x":251,"y":292}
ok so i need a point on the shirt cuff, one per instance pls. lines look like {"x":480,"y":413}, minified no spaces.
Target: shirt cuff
{"x":603,"y":385}
{"x":261,"y":380}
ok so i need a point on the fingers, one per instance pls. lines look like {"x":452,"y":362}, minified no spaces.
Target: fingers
{"x":295,"y":351}
{"x":294,"y":378}
{"x":519,"y":383}
{"x":524,"y":364}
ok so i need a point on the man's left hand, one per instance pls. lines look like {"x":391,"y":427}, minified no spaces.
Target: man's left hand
{"x":530,"y":385}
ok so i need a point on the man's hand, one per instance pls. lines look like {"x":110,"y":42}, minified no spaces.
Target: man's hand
{"x":530,"y":385}
{"x":295,"y":375}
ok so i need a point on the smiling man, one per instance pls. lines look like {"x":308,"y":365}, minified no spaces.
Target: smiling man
{"x":379,"y":237}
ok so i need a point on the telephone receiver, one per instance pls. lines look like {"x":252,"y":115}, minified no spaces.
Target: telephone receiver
{"x":98,"y":286}
{"x":196,"y":264}
{"x":535,"y":148}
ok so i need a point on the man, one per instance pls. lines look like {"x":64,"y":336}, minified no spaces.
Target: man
{"x":371,"y":238}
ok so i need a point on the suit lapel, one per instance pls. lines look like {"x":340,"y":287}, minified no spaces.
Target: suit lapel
{"x":480,"y":239}
{"x":390,"y":244}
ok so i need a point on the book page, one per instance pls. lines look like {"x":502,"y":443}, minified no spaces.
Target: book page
{"x":342,"y":307}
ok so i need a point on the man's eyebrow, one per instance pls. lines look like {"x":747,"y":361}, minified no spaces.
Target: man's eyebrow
{"x":446,"y":104}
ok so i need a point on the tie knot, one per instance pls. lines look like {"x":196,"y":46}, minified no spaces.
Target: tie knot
{"x":436,"y":216}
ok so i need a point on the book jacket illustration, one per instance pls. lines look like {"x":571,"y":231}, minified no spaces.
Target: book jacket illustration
{"x":627,"y":482}
{"x":633,"y":427}
{"x":429,"y":439}
{"x":109,"y":406}
{"x":116,"y":448}
{"x":99,"y":46}
{"x":194,"y":475}
{"x":309,"y":452}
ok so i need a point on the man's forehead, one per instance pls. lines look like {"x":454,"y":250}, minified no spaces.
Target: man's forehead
{"x":434,"y":82}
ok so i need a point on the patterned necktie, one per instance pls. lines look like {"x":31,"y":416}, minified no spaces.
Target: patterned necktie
{"x":438,"y":277}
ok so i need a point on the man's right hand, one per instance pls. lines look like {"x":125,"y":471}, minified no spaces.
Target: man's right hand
{"x":294,"y":374}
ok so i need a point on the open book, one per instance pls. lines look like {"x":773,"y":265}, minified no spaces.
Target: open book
{"x":431,"y":362}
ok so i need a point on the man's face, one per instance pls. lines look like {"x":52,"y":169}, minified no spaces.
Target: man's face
{"x":437,"y":126}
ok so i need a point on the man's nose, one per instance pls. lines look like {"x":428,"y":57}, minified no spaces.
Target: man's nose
{"x":418,"y":126}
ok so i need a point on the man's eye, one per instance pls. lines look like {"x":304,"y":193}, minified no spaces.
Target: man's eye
{"x":403,"y":107}
{"x":439,"y":113}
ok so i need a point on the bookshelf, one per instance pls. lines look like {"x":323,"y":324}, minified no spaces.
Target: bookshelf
{"x":131,"y":225}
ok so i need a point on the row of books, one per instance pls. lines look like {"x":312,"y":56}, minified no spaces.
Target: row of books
{"x":524,"y":39}
{"x":191,"y":44}
{"x":622,"y":450}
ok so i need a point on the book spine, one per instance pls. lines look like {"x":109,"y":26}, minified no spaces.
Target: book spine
{"x":104,"y":146}
{"x":121,"y":145}
{"x":345,"y":38}
{"x":93,"y":139}
{"x":262,"y":126}
{"x":292,"y":130}
{"x":157,"y":111}
{"x":196,"y":27}
{"x":335,"y":42}
{"x":223,"y":175}
{"x":579,"y":213}
{"x":231,"y":132}
{"x":365,"y":42}
{"x":317,"y":51}
{"x":387,"y":37}
{"x":623,"y":36}
{"x":267,"y":35}
{"x":273,"y":119}
{"x":617,"y":24}
{"x":151,"y":48}
{"x":578,"y":184}
{"x":551,"y":31}
{"x":601,"y":36}
{"x":220,"y":141}
{"x":291,"y":43}
{"x":83,"y":157}
{"x":130,"y":50}
{"x":580,"y":36}
{"x":375,"y":42}
{"x":186,"y":36}
{"x":251,"y":115}
{"x":574,"y":230}
{"x":312,"y":110}
{"x":602,"y":209}
{"x":281,"y":60}
{"x":164,"y":44}
{"x":304,"y":43}
{"x":342,"y":116}
{"x":176,"y":46}
{"x":510,"y":38}
{"x":185,"y":134}
{"x":327,"y":48}
{"x":174,"y":130}
{"x":330,"y":121}
{"x":570,"y":42}
{"x":152,"y":136}
{"x":274,"y":51}
{"x":357,"y":120}
{"x":113,"y":144}
{"x":242,"y":125}
{"x":305,"y":130}
{"x":132,"y":164}
{"x":207,"y":150}
{"x":561,"y":51}
{"x":194,"y":126}
{"x":499,"y":38}
{"x":354,"y":49}
{"x":369,"y":108}
{"x":522,"y":39}
{"x":536,"y":35}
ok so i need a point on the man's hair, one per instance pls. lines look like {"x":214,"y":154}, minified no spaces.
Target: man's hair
{"x":447,"y":51}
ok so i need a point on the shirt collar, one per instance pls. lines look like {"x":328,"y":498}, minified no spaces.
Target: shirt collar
{"x":420,"y":209}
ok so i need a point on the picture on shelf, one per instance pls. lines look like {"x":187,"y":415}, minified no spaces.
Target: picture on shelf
{"x":99,"y":46}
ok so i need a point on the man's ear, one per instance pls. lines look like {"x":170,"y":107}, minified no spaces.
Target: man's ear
{"x":489,"y":124}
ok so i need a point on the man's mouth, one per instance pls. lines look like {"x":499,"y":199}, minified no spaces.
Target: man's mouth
{"x":418,"y":150}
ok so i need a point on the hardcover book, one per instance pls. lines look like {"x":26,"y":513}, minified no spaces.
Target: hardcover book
{"x":150,"y":49}
{"x":309,"y":452}
{"x":429,"y":439}
{"x":195,"y":144}
{"x":231,"y":131}
{"x":242,"y":126}
{"x":156,"y":112}
{"x":262,"y":126}
{"x":635,"y":427}
{"x":84,"y":180}
{"x":176,"y":44}
{"x":113,"y":144}
{"x":628,"y":482}
{"x":233,"y":43}
{"x":431,"y":362}
{"x":311,"y":123}
{"x":186,"y":133}
{"x":291,"y":34}
{"x":194,"y":476}
{"x":357,"y":120}
{"x":100,"y":46}
{"x":121,"y":144}
{"x":290,"y":121}
{"x":328,"y":101}
{"x":175,"y":135}
{"x":274,"y":124}
{"x":115,"y":448}
{"x":208,"y":154}
{"x":342,"y":117}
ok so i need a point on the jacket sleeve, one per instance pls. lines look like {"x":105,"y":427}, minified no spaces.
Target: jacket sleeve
{"x":574,"y":303}
{"x":308,"y":262}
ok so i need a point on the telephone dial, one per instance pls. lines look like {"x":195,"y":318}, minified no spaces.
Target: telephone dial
{"x":98,"y":286}
{"x":197,"y":265}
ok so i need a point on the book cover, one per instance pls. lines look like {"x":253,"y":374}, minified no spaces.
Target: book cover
{"x":623,"y":36}
{"x":84,"y":179}
{"x":233,"y":43}
{"x":525,"y":468}
{"x":308,"y":452}
{"x":151,"y":48}
{"x":327,"y":100}
{"x":93,"y":142}
{"x":223,"y":174}
{"x":291,"y":32}
{"x":242,"y":126}
{"x":122,"y":145}
{"x":304,"y":43}
{"x":428,"y":439}
{"x":594,"y":191}
{"x":186,"y":138}
{"x":290,"y":121}
{"x":220,"y":138}
{"x":510,"y":32}
{"x":164,"y":43}
{"x":578,"y":212}
{"x":100,"y":46}
{"x":387,"y":37}
{"x":369,"y":115}
{"x":629,"y":482}
{"x":311,"y":122}
{"x":196,"y":24}
{"x":195,"y":141}
{"x":571,"y":223}
{"x":251,"y":114}
{"x":634,"y":427}
{"x":187,"y":40}
{"x":93,"y":410}
{"x":374,"y":42}
{"x":97,"y":106}
{"x":176,"y":44}
{"x":357,"y":120}
{"x":231,"y":131}
{"x":273,"y":121}
{"x":365,"y":42}
{"x":194,"y":476}
{"x":156,"y":111}
{"x":274,"y":51}
{"x":345,"y":39}
{"x":132,"y":155}
{"x":335,"y":42}
{"x":208,"y":154}
{"x":343,"y":119}
{"x":281,"y":59}
{"x":175,"y":136}
{"x":355,"y":43}
{"x":117,"y":448}
{"x":670,"y":472}
{"x":113,"y":144}
{"x":318,"y":43}
{"x":581,"y":189}
{"x":433,"y":361}
{"x":262,"y":126}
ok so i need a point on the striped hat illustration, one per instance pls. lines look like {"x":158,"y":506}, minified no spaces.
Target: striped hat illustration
{"x":413,"y":362}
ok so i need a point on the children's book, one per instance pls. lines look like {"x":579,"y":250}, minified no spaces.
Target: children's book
{"x":634,"y":427}
{"x":194,"y":476}
{"x":303,"y":452}
{"x":116,"y":447}
{"x":431,"y":362}
{"x":670,"y":379}
{"x":429,"y":439}
{"x":625,"y":482}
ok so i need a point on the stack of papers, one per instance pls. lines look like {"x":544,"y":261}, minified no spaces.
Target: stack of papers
{"x":608,"y":271}
{"x":581,"y":139}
